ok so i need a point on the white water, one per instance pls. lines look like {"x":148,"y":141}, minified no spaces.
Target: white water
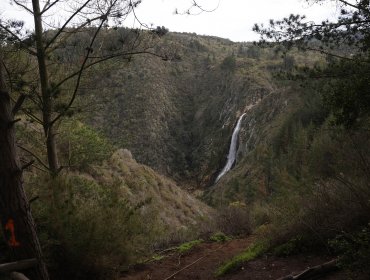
{"x":231,"y":157}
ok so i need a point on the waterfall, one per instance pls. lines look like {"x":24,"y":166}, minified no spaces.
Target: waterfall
{"x":231,"y":157}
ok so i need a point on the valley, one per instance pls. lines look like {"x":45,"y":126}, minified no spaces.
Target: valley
{"x":149,"y":154}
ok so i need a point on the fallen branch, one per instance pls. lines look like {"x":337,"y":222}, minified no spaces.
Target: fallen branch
{"x":313,"y":271}
{"x":18,"y":276}
{"x":19,"y":265}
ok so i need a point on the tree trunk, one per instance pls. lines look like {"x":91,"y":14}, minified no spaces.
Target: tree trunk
{"x":47,"y":99}
{"x":15,"y":214}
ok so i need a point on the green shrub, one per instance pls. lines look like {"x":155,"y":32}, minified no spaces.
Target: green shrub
{"x":354,"y":249}
{"x":229,"y":63}
{"x":251,"y":253}
{"x":82,"y":146}
{"x":219,"y":237}
{"x":185,"y":247}
{"x":234,"y":219}
{"x":89,"y":229}
{"x":298,"y":244}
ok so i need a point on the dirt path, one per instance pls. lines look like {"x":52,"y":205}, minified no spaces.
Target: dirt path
{"x":202,"y":261}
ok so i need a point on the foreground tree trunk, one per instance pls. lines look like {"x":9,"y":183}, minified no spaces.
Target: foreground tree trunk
{"x":15,"y":214}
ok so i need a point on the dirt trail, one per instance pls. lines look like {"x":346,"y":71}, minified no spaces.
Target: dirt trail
{"x":202,"y":261}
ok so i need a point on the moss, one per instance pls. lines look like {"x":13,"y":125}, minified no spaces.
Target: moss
{"x":185,"y":247}
{"x":251,"y":253}
{"x":219,"y":237}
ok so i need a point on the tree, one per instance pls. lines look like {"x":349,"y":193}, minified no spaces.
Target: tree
{"x":16,"y":219}
{"x":347,"y":42}
{"x":57,"y":83}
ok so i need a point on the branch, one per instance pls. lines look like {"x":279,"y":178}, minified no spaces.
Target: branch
{"x":23,"y":6}
{"x":66,"y":23}
{"x":32,"y":116}
{"x":48,"y":5}
{"x":352,"y":5}
{"x":19,"y":265}
{"x":11,"y":123}
{"x":27,"y":165}
{"x":75,"y":30}
{"x":36,"y":157}
{"x":79,"y":75}
{"x":18,"y":276}
{"x":33,"y":199}
{"x":314,"y":271}
{"x":18,"y":39}
{"x":334,"y":55}
{"x":19,"y":103}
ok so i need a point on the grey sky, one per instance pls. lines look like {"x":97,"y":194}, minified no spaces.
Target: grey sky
{"x":232,"y":19}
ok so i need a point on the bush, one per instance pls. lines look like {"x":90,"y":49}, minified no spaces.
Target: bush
{"x":90,"y":230}
{"x":185,"y":247}
{"x":219,"y":237}
{"x":234,"y":219}
{"x":251,"y":253}
{"x":294,"y":246}
{"x":354,"y":250}
{"x":82,"y":146}
{"x":229,"y":63}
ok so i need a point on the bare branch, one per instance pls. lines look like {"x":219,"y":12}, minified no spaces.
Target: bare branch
{"x":18,"y":265}
{"x":36,"y":157}
{"x":28,"y":164}
{"x":23,"y":6}
{"x":48,"y":5}
{"x":333,"y":55}
{"x":79,"y":75}
{"x":10,"y":124}
{"x":66,"y":23}
{"x":69,"y":34}
{"x":352,"y":5}
{"x":32,"y":116}
{"x":15,"y":36}
{"x":19,"y":103}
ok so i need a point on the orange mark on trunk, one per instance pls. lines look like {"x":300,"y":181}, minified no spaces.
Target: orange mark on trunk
{"x":12,"y":240}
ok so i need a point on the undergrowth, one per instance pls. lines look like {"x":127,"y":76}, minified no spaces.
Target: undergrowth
{"x":353,"y":250}
{"x":219,"y":237}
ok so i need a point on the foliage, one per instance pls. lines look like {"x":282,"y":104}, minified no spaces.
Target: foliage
{"x":347,"y":95}
{"x":82,"y":146}
{"x":219,"y":237}
{"x":229,"y":63}
{"x":251,"y":253}
{"x":354,"y":249}
{"x":90,"y":228}
{"x":345,"y":81}
{"x":185,"y":247}
{"x":296,"y":245}
{"x":234,"y":219}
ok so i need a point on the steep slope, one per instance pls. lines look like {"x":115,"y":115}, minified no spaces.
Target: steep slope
{"x":177,"y":116}
{"x":175,"y":208}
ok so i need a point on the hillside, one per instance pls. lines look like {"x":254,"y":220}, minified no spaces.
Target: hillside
{"x":177,"y":116}
{"x":147,"y":134}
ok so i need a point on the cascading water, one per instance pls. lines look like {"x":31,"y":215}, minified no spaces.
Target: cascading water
{"x":231,"y":157}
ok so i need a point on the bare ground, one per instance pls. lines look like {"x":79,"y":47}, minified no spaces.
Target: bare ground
{"x":202,"y":261}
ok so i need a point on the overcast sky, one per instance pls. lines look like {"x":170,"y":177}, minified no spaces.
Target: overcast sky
{"x":232,"y":19}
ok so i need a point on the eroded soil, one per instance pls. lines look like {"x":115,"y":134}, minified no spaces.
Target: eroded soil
{"x":201,"y":263}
